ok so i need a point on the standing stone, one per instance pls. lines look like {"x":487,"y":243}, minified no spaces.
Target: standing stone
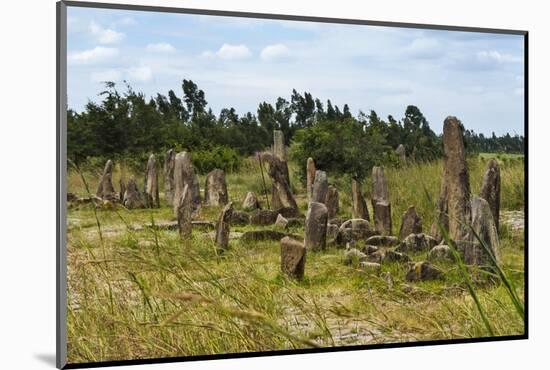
{"x":151,"y":184}
{"x":442,"y":213}
{"x":281,"y":222}
{"x":215,"y":192}
{"x":382,"y":218}
{"x":320,"y":187}
{"x":316,"y":226}
{"x":169,"y":163}
{"x":401,"y":154}
{"x":293,"y":258}
{"x":122,"y":181}
{"x":359,"y":205}
{"x":183,"y":213}
{"x":279,"y":148}
{"x":105,"y":189}
{"x":411,"y":223}
{"x":310,"y":176}
{"x":279,"y":151}
{"x":457,"y":182}
{"x":131,"y":198}
{"x":490,"y":190}
{"x":332,"y":201}
{"x":223,"y":226}
{"x":185,"y":175}
{"x":250,"y":202}
{"x":484,"y":226}
{"x":281,"y":186}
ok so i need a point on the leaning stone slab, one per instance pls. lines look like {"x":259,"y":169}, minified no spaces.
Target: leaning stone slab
{"x":151,"y":184}
{"x":278,"y":171}
{"x":250,"y":202}
{"x":215,"y":192}
{"x":281,"y":222}
{"x":424,"y":271}
{"x":320,"y":187}
{"x":293,"y":258}
{"x":490,"y":189}
{"x":359,"y":205}
{"x":411,"y":223}
{"x":316,"y":226}
{"x":416,"y":243}
{"x":332,"y":201}
{"x":484,"y":227}
{"x":223,"y":227}
{"x":105,"y":189}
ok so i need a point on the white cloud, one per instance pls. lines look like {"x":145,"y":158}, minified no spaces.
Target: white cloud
{"x":96,"y":54}
{"x":106,"y":75}
{"x":105,"y":35}
{"x":233,"y":52}
{"x":497,"y":57}
{"x":143,"y":73}
{"x":275,"y":52}
{"x":161,"y":47}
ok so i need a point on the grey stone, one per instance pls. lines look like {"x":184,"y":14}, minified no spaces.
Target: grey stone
{"x":490,"y":189}
{"x":332,"y":231}
{"x":332,"y":201}
{"x":105,"y":189}
{"x":310,"y":176}
{"x":424,"y":271}
{"x":184,"y":175}
{"x":352,"y":231}
{"x":369,"y":249}
{"x":223,"y":227}
{"x":169,"y":163}
{"x":250,"y":202}
{"x":484,"y":227}
{"x":278,"y":171}
{"x":382,"y":218}
{"x":215,"y":190}
{"x":289,"y":212}
{"x":132,"y":198}
{"x":359,"y":205}
{"x":393,"y":256}
{"x":320,"y":187}
{"x":441,"y":252}
{"x":240,"y":218}
{"x":382,"y":240}
{"x":263,"y":217}
{"x":316,"y":226}
{"x":293,"y":258}
{"x":411,"y":223}
{"x":281,"y":222}
{"x":416,"y":243}
{"x":354,"y":256}
{"x":151,"y":184}
{"x":183,"y":213}
{"x":401,"y":154}
{"x":380,"y":192}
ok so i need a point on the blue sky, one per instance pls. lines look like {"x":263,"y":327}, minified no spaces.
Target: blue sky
{"x":240,"y":62}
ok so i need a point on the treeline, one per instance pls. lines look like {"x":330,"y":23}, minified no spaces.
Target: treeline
{"x":128,"y":126}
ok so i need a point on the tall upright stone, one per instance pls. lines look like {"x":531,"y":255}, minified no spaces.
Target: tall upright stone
{"x":381,"y":205}
{"x":485,"y":228}
{"x":359,"y":205}
{"x":293,"y":258}
{"x":185,"y":175}
{"x":320,"y":187}
{"x":332,"y":202}
{"x":132,"y":198}
{"x":279,"y":152}
{"x":169,"y":163}
{"x":382,"y":218}
{"x":411,"y":223}
{"x":276,"y":170}
{"x":380,"y":192}
{"x":105,"y":189}
{"x":310,"y":176}
{"x":151,"y":184}
{"x":441,"y":213}
{"x":279,"y":148}
{"x":183,"y":212}
{"x":223,"y":227}
{"x":490,"y":189}
{"x":215,"y":190}
{"x":316,"y":226}
{"x":401,"y":154}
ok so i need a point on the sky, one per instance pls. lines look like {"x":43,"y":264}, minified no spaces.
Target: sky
{"x":241,"y":62}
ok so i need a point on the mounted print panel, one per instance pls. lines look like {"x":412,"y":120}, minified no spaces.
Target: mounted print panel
{"x":237,"y":184}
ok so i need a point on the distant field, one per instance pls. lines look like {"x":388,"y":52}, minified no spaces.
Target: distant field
{"x":501,"y":155}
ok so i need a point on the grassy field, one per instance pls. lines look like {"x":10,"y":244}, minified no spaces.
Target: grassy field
{"x":142,"y":294}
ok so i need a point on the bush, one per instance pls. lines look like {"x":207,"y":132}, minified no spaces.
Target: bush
{"x":220,"y":157}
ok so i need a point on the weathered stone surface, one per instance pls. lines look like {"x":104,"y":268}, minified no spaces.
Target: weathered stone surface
{"x":132,"y":197}
{"x":215,"y":189}
{"x":417,"y":243}
{"x":183,"y":213}
{"x":411,"y":223}
{"x":240,"y":218}
{"x":382,"y":240}
{"x":250,"y":202}
{"x":183,"y":175}
{"x":223,"y":227}
{"x":278,"y":171}
{"x":151,"y":184}
{"x":332,"y":231}
{"x":382,"y":218}
{"x":169,"y":163}
{"x":401,"y":153}
{"x":380,"y":191}
{"x":263,"y":217}
{"x":353,"y":230}
{"x":281,"y":222}
{"x":336,"y":221}
{"x":354,"y":256}
{"x":332,"y":201}
{"x":293,"y":258}
{"x":455,"y":188}
{"x":310,"y":176}
{"x":316,"y":226}
{"x":371,"y":267}
{"x":195,"y":192}
{"x":278,"y":200}
{"x":440,"y":252}
{"x":424,"y":271}
{"x":393,"y":256}
{"x":484,"y":227}
{"x":261,"y":235}
{"x":359,"y":205}
{"x":369,"y":249}
{"x":105,"y":189}
{"x":490,"y":189}
{"x":376,"y":256}
{"x":279,"y":147}
{"x":289,"y":212}
{"x":320,"y":187}
{"x":442,"y":213}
